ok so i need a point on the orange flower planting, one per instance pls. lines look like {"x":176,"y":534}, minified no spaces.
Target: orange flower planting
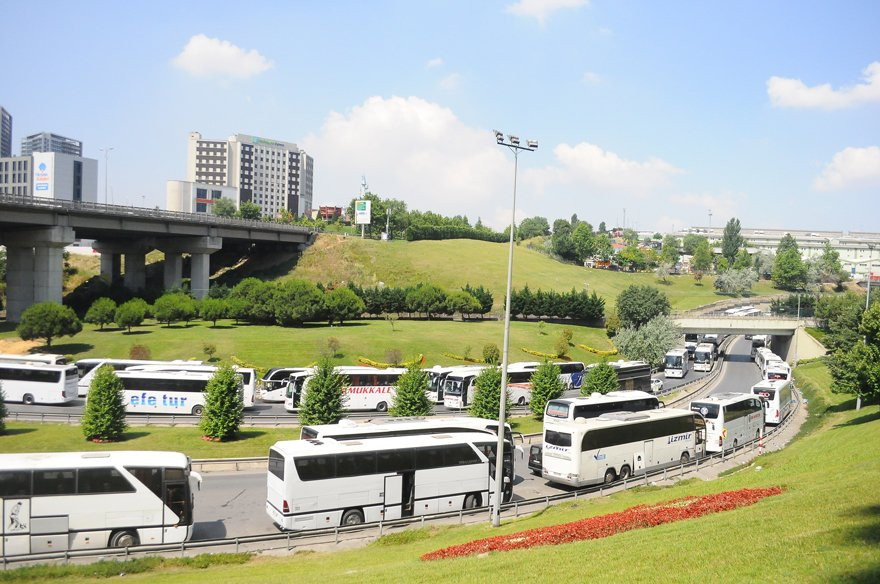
{"x":604,"y":525}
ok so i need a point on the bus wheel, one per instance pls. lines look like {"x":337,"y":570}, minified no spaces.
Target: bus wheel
{"x":735,"y":444}
{"x":609,"y":476}
{"x":685,"y":458}
{"x":382,"y":407}
{"x":472,"y":501}
{"x":352,"y":517}
{"x":197,"y":410}
{"x":27,"y":399}
{"x":124,"y":539}
{"x":624,"y":472}
{"x":521,"y":401}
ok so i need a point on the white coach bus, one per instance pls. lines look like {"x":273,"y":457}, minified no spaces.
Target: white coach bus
{"x":777,"y":397}
{"x":37,"y":383}
{"x":778,"y":372}
{"x":593,"y":406}
{"x":247,"y":375}
{"x":274,"y":382}
{"x":55,"y":502}
{"x":87,"y":369}
{"x":47,"y":358}
{"x":618,"y":445}
{"x":368,"y":388}
{"x":676,"y":363}
{"x":437,"y":379}
{"x":459,"y":387}
{"x":167,"y":392}
{"x":731,"y":419}
{"x":313,"y":484}
{"x":704,"y":357}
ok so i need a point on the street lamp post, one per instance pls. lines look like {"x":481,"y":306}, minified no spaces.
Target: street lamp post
{"x":513,"y":143}
{"x":106,"y":152}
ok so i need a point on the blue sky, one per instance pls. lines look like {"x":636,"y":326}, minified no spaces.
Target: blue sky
{"x":768,"y":111}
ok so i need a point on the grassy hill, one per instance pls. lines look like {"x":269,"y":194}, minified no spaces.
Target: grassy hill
{"x":824,"y":527}
{"x":455,"y":262}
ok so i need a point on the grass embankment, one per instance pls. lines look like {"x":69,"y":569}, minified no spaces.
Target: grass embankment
{"x":453,"y":263}
{"x":269,"y":346}
{"x":36,"y":437}
{"x":824,"y":527}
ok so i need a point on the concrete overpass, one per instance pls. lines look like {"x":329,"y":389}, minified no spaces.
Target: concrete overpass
{"x":35,"y":232}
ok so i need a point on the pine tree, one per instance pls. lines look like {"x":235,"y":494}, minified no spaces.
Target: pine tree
{"x":411,"y":397}
{"x":224,"y":404}
{"x":322,"y":403}
{"x":601,"y":378}
{"x":546,"y":385}
{"x":104,"y":415}
{"x":487,"y":392}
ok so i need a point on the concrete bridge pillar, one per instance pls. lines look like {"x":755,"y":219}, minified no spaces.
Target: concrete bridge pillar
{"x":200,"y":274}
{"x":173,"y":271}
{"x":34,"y":267}
{"x":134,"y":274}
{"x":200,"y":250}
{"x":111,"y":266}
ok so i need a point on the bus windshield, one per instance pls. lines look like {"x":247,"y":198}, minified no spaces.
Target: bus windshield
{"x":707,"y":410}
{"x":452,"y":386}
{"x":557,"y":409}
{"x":673,"y":361}
{"x":702,"y":357}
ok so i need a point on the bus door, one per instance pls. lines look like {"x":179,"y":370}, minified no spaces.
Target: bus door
{"x":644,"y":457}
{"x":16,"y":527}
{"x":176,"y":496}
{"x":392,"y":505}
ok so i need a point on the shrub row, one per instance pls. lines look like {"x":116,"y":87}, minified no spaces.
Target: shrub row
{"x":420,"y":232}
{"x":420,"y":360}
{"x":425,"y":299}
{"x":574,"y":304}
{"x":597,"y":351}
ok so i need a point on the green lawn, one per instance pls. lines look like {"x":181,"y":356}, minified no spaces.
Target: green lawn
{"x":455,"y":262}
{"x":824,"y":527}
{"x":269,"y":346}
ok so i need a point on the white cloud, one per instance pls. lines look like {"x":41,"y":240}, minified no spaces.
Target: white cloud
{"x":591,"y":78}
{"x":785,"y":92}
{"x":541,"y":9}
{"x":206,"y":57}
{"x":693,"y":208}
{"x":451,"y":82}
{"x":435,"y":62}
{"x":851,"y":168}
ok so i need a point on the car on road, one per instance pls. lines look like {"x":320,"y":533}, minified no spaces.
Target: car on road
{"x":656,"y":385}
{"x":536,"y":458}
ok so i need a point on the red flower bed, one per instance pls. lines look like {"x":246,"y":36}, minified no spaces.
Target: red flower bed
{"x":604,"y":525}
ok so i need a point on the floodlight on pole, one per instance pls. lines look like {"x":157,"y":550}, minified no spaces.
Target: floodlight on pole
{"x":531,"y":146}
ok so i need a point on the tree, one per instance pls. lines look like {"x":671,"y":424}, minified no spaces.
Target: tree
{"x":341,"y":304}
{"x":101,"y":312}
{"x":249,"y":210}
{"x":789,"y":271}
{"x":731,"y":241}
{"x":601,"y":378}
{"x":637,"y":304}
{"x":603,"y":248}
{"x":612,"y":324}
{"x":483,"y":296}
{"x":224,"y":404}
{"x":669,"y":251}
{"x":296,"y":302}
{"x":602,"y":228}
{"x":787,"y":243}
{"x":690,"y":242}
{"x":411,"y":396}
{"x":870,"y":325}
{"x":736,"y":282}
{"x":426,"y":298}
{"x":841,"y":315}
{"x":561,"y":242}
{"x":462,"y":303}
{"x":631,"y":257}
{"x":213,"y":309}
{"x":130,"y":313}
{"x":662,"y":271}
{"x":650,"y":342}
{"x":224,"y":208}
{"x":856,"y":371}
{"x":763,"y":264}
{"x":487,"y":392}
{"x":48,"y":320}
{"x":533,"y":227}
{"x":323,"y":402}
{"x":491,"y":354}
{"x":827,"y":268}
{"x":702,"y":257}
{"x":174,"y":306}
{"x":546,"y":385}
{"x":630,"y":236}
{"x":584,"y":242}
{"x":743,"y":260}
{"x":722,"y":265}
{"x":104,"y":415}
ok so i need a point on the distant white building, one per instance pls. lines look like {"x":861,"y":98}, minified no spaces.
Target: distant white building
{"x":196,"y":197}
{"x":50,"y":175}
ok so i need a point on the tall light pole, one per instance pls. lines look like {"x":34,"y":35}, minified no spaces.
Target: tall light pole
{"x":710,"y":219}
{"x":515,"y":147}
{"x":106,"y":152}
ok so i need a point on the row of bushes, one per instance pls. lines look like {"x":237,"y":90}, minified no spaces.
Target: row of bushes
{"x":420,"y":232}
{"x":424,"y":298}
{"x":574,"y":304}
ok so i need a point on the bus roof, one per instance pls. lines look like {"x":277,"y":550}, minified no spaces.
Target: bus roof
{"x":34,"y":460}
{"x":164,"y":374}
{"x":380,"y":424}
{"x":621,"y":364}
{"x":611,"y":396}
{"x":706,"y":347}
{"x":332,"y":446}
{"x":677,"y":351}
{"x":34,"y":358}
{"x":723,"y":398}
{"x":618,"y":418}
{"x":358,"y":369}
{"x":37,"y":365}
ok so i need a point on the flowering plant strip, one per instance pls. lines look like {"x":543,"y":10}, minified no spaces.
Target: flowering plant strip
{"x":605,"y":525}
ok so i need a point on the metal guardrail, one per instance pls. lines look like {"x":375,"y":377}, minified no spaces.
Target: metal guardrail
{"x":291,"y":540}
{"x":126,"y":211}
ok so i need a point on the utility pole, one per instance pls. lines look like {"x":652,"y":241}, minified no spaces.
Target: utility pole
{"x":106,"y":152}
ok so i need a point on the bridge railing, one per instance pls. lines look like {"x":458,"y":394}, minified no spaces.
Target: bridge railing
{"x":145,"y":212}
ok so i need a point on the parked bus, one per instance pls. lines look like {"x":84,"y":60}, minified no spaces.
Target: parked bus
{"x":765,"y":358}
{"x":324,"y":483}
{"x":704,"y":357}
{"x":47,"y":358}
{"x":676,"y":363}
{"x":437,"y":378}
{"x":631,"y":375}
{"x":691,"y":340}
{"x":88,"y":367}
{"x":778,"y":372}
{"x":777,"y":397}
{"x":57,"y":502}
{"x":759,"y":341}
{"x":572,"y":408}
{"x":617,"y":445}
{"x":168,"y":392}
{"x":274,"y":383}
{"x":731,"y":419}
{"x":348,"y":429}
{"x":368,"y":388}
{"x":460,"y":385}
{"x":247,"y":375}
{"x":37,"y":383}
{"x":571,"y":373}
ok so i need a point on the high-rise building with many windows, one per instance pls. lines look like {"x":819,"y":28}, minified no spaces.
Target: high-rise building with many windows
{"x":49,"y":142}
{"x":5,"y":133}
{"x":276,"y":175}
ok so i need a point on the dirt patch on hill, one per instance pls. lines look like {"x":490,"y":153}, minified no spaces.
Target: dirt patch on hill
{"x":17,"y":346}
